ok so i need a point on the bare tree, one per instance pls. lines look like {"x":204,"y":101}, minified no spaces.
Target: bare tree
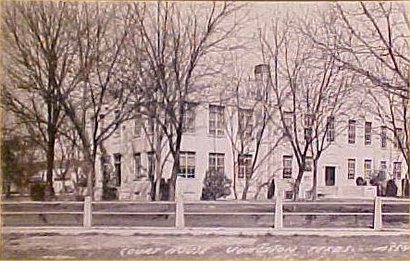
{"x":98,"y":99}
{"x":37,"y":50}
{"x":308,"y":92}
{"x":175,"y":38}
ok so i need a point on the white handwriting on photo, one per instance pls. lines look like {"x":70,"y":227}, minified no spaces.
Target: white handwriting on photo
{"x":261,"y":249}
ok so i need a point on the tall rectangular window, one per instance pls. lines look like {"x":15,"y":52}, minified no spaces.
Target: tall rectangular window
{"x":117,"y":169}
{"x":137,"y":125}
{"x":216,"y":120}
{"x":367,"y":169}
{"x":383,"y":137}
{"x":308,"y":134}
{"x":245,"y":166}
{"x":189,"y":117}
{"x":308,"y":121}
{"x":287,"y":167}
{"x":137,"y":165}
{"x":187,"y":164}
{"x":331,"y":129}
{"x":117,"y":131}
{"x":151,"y":163}
{"x":217,"y":162}
{"x":351,"y":132}
{"x":245,"y":122}
{"x":288,"y":120}
{"x":397,"y":170}
{"x":399,"y":138}
{"x":367,"y":133}
{"x":351,"y":168}
{"x":383,"y":170}
{"x":308,"y":163}
{"x":150,"y":125}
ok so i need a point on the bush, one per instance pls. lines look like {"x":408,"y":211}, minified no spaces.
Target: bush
{"x":110,"y":193}
{"x":216,"y":185}
{"x":38,"y":191}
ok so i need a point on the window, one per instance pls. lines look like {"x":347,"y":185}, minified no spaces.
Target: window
{"x":330,"y":128}
{"x":137,"y":125}
{"x":351,"y":168}
{"x":367,"y":133}
{"x":150,"y":125}
{"x":308,"y":134}
{"x":117,"y":169}
{"x":137,"y":165}
{"x":187,"y":164}
{"x":216,"y":162}
{"x":245,"y":166}
{"x":351,"y":132}
{"x":399,"y":139}
{"x":216,"y":120}
{"x":288,"y":120}
{"x":151,"y":163}
{"x":383,"y":170}
{"x":289,"y":194}
{"x":117,"y":131}
{"x":308,"y":163}
{"x":189,"y":117}
{"x":367,"y":169}
{"x":330,"y":176}
{"x":308,"y":121}
{"x":245,"y":122}
{"x":287,"y":167}
{"x":397,"y":170}
{"x":383,"y":136}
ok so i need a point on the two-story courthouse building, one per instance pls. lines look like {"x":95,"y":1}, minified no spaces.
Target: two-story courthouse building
{"x":363,"y":148}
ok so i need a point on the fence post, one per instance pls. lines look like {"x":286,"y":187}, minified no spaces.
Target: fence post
{"x":179,"y":215}
{"x":87,"y":218}
{"x":278,"y":213}
{"x":377,"y":215}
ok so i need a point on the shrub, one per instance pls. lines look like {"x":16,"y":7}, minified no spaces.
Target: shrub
{"x":216,"y":185}
{"x":37,"y":191}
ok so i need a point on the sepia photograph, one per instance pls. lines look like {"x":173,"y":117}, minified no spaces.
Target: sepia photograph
{"x":166,"y":130}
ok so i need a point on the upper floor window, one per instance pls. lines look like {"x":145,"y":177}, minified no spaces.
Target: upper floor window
{"x":367,"y":133}
{"x":150,"y":125}
{"x":137,"y":125}
{"x":216,"y":120}
{"x":308,"y":120}
{"x":287,"y":167}
{"x":330,"y":128}
{"x":308,"y":134}
{"x":351,"y":132}
{"x":117,"y":116}
{"x":187,"y":164}
{"x":288,"y":120}
{"x":189,"y":117}
{"x":245,"y":122}
{"x":217,"y":162}
{"x":351,"y":168}
{"x":399,"y":138}
{"x":245,"y":166}
{"x":397,"y":170}
{"x":383,"y":137}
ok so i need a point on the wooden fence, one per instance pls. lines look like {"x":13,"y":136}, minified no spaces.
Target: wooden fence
{"x":181,"y":209}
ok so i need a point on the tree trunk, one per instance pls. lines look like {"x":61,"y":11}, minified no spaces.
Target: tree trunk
{"x":314,"y":181}
{"x":158,"y":175}
{"x":50,"y":164}
{"x":172,"y":184}
{"x":245,"y":189}
{"x":296,"y":185}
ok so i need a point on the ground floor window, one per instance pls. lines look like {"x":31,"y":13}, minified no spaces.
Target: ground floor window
{"x":216,"y":162}
{"x":330,"y":176}
{"x":287,"y":167}
{"x":117,"y":169}
{"x":367,"y":169}
{"x":151,"y":163}
{"x":245,"y":166}
{"x":397,"y":170}
{"x":187,"y":164}
{"x":137,"y":165}
{"x":351,"y":168}
{"x":288,"y":194}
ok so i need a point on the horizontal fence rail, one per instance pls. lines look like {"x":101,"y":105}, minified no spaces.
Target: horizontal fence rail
{"x":180,"y":209}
